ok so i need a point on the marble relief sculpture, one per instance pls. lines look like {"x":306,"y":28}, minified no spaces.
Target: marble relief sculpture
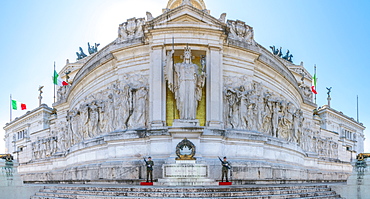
{"x":62,"y":92}
{"x":131,"y":29}
{"x":248,"y":106}
{"x":44,"y":148}
{"x":186,"y":81}
{"x":240,"y":31}
{"x":120,"y":107}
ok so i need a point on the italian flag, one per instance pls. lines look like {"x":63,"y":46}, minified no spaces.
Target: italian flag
{"x":57,"y":80}
{"x":17,"y":105}
{"x":313,"y":87}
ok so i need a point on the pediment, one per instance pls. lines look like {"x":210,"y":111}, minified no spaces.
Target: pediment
{"x":186,"y":18}
{"x":186,"y":14}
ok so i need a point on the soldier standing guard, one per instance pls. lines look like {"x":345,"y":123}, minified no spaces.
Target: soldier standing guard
{"x":225,"y":169}
{"x":149,"y":169}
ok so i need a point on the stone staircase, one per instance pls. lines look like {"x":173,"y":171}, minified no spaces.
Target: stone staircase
{"x":135,"y":192}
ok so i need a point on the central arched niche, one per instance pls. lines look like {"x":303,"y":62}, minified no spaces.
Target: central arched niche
{"x":172,"y":112}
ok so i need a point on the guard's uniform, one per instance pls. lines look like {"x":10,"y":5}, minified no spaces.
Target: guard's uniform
{"x":149,"y":170}
{"x":225,"y":168}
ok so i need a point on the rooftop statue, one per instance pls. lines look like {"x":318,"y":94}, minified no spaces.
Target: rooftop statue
{"x":93,"y":49}
{"x":274,"y":50}
{"x":240,"y":31}
{"x":67,"y":76}
{"x":329,"y":91}
{"x":222,"y":18}
{"x":279,"y":53}
{"x":286,"y":55}
{"x":40,"y":89}
{"x":40,"y":94}
{"x":290,"y":58}
{"x":149,"y":16}
{"x":132,"y":29}
{"x":81,"y":54}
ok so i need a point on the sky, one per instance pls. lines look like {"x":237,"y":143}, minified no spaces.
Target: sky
{"x":334,"y":35}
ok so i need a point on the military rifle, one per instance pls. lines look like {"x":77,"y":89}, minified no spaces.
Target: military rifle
{"x":147,"y":164}
{"x":222,"y":162}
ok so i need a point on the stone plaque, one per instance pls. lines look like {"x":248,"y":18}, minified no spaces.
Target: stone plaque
{"x":185,"y":171}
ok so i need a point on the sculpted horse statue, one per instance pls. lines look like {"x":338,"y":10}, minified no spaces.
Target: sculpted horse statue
{"x":274,"y":50}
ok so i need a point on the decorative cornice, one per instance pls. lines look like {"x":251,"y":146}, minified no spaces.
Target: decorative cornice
{"x":34,"y":112}
{"x":340,"y":115}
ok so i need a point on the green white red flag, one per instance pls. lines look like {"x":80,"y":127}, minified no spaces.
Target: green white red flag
{"x":18,"y":105}
{"x":58,"y":81}
{"x":314,"y":81}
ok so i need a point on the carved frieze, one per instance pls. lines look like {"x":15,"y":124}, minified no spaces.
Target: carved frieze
{"x":123,"y":105}
{"x":251,"y":107}
{"x":44,"y":148}
{"x":248,"y":106}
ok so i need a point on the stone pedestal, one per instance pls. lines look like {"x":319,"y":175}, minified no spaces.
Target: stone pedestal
{"x":185,"y":173}
{"x":146,"y":183}
{"x":11,"y":184}
{"x":185,"y":123}
{"x":225,"y":183}
{"x":358,"y":184}
{"x":9,"y":175}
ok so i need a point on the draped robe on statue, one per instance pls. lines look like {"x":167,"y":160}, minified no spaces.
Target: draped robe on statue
{"x":185,"y":80}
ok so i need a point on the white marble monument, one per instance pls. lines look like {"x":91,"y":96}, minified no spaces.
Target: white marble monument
{"x":184,"y":73}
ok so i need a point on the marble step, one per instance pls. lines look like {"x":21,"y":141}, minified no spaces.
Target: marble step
{"x":148,"y":195}
{"x":264,"y":192}
{"x":334,"y":196}
{"x":181,"y":189}
{"x":223,"y":197}
{"x":177,"y":194}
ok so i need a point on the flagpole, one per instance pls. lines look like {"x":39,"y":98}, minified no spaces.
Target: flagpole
{"x":358,"y":119}
{"x":53,"y":81}
{"x":315,"y":85}
{"x":10,"y":107}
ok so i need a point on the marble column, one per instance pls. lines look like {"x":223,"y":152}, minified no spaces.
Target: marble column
{"x":157,"y":89}
{"x":214,"y":88}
